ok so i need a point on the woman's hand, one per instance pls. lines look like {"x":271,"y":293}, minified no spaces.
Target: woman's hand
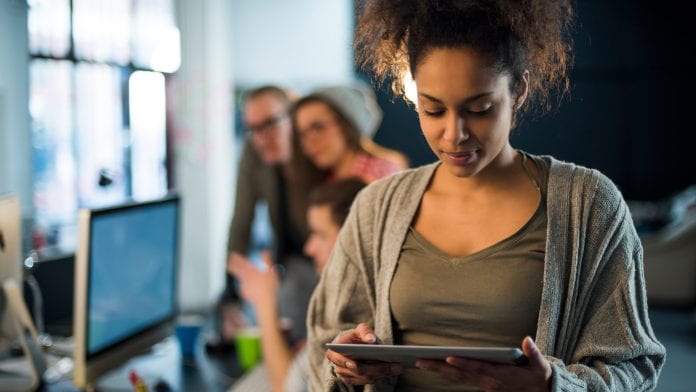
{"x":535,"y":376}
{"x":359,"y":373}
{"x":260,"y":287}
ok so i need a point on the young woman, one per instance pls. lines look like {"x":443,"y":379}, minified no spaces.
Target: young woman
{"x":332,"y":130}
{"x":489,"y":246}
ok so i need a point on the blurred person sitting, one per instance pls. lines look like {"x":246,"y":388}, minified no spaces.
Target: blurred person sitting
{"x":286,"y":366}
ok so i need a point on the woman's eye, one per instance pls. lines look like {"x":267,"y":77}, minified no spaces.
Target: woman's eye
{"x":479,"y":111}
{"x":433,"y":113}
{"x":313,"y":129}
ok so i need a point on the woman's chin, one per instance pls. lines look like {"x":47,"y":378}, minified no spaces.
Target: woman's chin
{"x":322,"y":165}
{"x":461,"y":171}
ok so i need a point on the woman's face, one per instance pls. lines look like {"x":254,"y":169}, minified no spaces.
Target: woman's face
{"x":320,"y":135}
{"x":465,"y":109}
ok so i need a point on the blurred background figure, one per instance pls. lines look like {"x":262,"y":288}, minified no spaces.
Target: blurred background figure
{"x":332,"y":139}
{"x":286,"y":366}
{"x":263,"y":178}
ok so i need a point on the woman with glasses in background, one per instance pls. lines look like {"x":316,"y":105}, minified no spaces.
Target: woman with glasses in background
{"x":332,"y":130}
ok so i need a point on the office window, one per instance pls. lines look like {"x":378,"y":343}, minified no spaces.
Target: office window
{"x":148,"y":134}
{"x":100,"y":135}
{"x":101,"y":30}
{"x":157,"y":46}
{"x":97,"y":105}
{"x":49,"y":27}
{"x":50,"y":109}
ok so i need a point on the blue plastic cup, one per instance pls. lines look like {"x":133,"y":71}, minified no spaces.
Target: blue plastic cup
{"x":188,"y":329}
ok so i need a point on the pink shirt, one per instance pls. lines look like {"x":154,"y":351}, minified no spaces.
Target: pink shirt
{"x":370,"y":168}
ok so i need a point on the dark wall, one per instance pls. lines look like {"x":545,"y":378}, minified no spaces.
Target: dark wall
{"x":630,"y":113}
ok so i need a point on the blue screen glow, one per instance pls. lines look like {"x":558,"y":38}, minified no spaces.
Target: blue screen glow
{"x":131,"y":273}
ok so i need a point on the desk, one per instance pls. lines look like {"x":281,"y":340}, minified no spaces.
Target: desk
{"x":206,"y":371}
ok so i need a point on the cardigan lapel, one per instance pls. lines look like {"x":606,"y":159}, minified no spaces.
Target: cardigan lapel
{"x":403,"y":200}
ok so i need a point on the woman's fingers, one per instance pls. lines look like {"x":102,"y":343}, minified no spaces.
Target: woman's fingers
{"x":537,"y":362}
{"x":340,"y":361}
{"x":237,"y":264}
{"x":364,"y":334}
{"x":359,"y":372}
{"x":492,"y":376}
{"x":361,"y":334}
{"x":345,"y":367}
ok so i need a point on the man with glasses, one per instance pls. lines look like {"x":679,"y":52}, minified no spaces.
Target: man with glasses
{"x":263,"y":177}
{"x":266,"y":117}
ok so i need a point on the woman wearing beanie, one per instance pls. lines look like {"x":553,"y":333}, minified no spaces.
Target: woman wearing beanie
{"x":332,"y":130}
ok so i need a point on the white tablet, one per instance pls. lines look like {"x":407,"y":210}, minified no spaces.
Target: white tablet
{"x":407,"y":355}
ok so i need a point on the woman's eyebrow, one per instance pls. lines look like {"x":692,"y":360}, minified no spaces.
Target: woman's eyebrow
{"x":464,"y":102}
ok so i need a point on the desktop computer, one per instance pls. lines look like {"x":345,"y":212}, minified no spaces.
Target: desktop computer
{"x":125,"y":284}
{"x":124,"y":290}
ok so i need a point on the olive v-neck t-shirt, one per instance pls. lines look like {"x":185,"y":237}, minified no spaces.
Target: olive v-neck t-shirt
{"x":489,"y":298}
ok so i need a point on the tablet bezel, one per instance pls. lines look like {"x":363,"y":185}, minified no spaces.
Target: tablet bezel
{"x":407,"y":355}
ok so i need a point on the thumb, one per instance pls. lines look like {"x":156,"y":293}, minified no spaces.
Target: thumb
{"x":365,"y":334}
{"x":537,"y":361}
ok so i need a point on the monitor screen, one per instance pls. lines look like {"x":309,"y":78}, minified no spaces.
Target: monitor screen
{"x":125,"y":281}
{"x":131,"y":262}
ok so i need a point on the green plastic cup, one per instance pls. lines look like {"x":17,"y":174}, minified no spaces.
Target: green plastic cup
{"x":247,"y":344}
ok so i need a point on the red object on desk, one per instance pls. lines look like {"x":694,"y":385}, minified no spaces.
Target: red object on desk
{"x":137,"y":382}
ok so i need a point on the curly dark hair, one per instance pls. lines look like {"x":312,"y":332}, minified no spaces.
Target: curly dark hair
{"x":393,"y":36}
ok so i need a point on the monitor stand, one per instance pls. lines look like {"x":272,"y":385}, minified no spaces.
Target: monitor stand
{"x":162,"y":363}
{"x":26,"y":374}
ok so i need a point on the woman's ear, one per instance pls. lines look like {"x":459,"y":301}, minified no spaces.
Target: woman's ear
{"x":522,"y":92}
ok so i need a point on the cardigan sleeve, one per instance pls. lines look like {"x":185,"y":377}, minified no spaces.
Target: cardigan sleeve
{"x":612,"y":346}
{"x":617,"y":350}
{"x":341,"y":300}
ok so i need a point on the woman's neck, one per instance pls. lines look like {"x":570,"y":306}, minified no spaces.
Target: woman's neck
{"x":345,"y":165}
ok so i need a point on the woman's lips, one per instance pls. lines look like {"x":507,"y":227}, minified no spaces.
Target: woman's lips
{"x":461,"y":157}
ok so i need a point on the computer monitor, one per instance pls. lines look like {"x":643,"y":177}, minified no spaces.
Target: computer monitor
{"x":16,"y":325}
{"x":125,"y":283}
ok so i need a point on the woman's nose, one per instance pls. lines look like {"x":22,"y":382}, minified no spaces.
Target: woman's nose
{"x":456,"y":130}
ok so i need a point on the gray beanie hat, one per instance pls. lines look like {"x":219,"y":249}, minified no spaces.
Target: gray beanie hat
{"x":357,"y":103}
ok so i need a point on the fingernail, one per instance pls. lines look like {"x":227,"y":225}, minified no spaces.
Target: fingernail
{"x":350,"y":365}
{"x":532,"y":342}
{"x":371,"y":338}
{"x":421,"y":365}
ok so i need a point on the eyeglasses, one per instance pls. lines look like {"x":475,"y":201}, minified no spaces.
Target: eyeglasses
{"x":267,"y":125}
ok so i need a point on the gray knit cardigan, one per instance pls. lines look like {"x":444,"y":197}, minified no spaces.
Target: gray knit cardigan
{"x":593,"y":322}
